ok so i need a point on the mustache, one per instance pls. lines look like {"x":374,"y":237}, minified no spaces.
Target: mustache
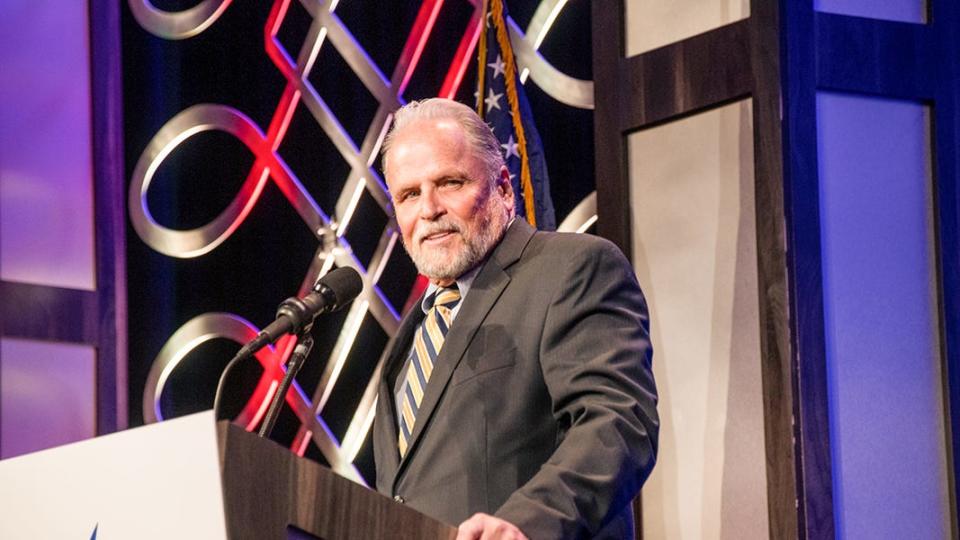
{"x":436,"y":227}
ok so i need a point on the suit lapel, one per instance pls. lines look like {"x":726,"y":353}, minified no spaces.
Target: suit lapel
{"x":484,"y":292}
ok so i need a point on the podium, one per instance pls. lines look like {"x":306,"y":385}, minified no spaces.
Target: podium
{"x":193,"y":478}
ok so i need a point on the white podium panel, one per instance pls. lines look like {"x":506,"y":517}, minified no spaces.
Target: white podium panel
{"x":160,"y":481}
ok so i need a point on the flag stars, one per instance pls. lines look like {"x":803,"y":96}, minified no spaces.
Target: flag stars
{"x":498,"y":67}
{"x":510,"y":148}
{"x":492,"y":100}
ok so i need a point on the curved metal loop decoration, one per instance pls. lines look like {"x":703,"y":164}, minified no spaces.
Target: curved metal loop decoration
{"x":208,"y":326}
{"x":562,"y":87}
{"x":582,"y":217}
{"x":188,"y":337}
{"x":194,"y":242}
{"x":177,"y":24}
{"x":543,"y":19}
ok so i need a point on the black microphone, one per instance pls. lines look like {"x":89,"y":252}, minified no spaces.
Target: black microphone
{"x":333,"y":291}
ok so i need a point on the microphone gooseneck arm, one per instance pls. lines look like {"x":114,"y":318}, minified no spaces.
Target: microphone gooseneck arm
{"x":296,"y":361}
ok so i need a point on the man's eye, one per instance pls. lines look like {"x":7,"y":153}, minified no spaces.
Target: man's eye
{"x":407,"y":195}
{"x":453,"y":183}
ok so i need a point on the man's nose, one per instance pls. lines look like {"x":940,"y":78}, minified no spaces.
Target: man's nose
{"x":431,"y":207}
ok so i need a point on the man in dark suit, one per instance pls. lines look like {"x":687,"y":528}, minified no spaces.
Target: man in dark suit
{"x":517,"y":399}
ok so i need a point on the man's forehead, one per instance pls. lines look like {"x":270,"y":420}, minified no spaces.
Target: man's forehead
{"x":422,"y":146}
{"x":429,"y":130}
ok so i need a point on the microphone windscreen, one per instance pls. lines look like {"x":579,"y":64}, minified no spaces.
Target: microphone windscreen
{"x":345,"y":284}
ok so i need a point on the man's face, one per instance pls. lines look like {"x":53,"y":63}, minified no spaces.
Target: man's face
{"x":449,"y":213}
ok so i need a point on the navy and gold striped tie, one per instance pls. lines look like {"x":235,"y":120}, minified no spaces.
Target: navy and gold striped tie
{"x":426,"y":346}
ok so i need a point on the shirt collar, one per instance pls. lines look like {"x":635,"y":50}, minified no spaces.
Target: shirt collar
{"x":463,"y":285}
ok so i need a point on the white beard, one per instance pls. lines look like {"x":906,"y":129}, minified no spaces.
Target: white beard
{"x":440,"y":264}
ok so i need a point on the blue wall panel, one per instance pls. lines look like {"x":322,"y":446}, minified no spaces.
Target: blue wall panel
{"x":882,"y":341}
{"x":894,"y":10}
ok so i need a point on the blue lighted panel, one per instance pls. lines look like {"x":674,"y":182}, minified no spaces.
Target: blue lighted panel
{"x":913,"y":11}
{"x":46,"y":176}
{"x":883,"y":358}
{"x":46,"y":395}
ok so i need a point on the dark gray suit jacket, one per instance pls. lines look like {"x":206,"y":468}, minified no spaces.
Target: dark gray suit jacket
{"x":541,"y":408}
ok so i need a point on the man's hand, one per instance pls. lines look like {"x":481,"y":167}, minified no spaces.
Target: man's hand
{"x":486,"y":527}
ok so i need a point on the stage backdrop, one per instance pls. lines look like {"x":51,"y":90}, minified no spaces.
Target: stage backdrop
{"x":252,"y":133}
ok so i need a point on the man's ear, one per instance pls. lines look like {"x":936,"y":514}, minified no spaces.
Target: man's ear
{"x":504,"y":186}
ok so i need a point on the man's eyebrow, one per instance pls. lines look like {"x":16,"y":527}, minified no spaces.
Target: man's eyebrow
{"x":456,"y":175}
{"x":399,"y":192}
{"x":460,"y":175}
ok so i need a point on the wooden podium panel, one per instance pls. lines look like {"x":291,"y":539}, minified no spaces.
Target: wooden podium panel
{"x":266,"y":488}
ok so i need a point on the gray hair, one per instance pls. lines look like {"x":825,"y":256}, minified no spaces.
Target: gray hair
{"x":478,"y":134}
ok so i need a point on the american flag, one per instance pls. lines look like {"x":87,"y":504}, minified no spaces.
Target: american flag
{"x":502,"y":102}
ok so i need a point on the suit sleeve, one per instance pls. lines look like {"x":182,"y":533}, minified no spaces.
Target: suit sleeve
{"x":595,"y":355}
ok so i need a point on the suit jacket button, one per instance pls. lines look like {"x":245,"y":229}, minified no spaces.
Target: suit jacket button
{"x":399,"y":499}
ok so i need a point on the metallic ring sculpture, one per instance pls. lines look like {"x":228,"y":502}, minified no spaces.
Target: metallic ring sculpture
{"x":188,"y":337}
{"x":194,"y":120}
{"x":177,"y":24}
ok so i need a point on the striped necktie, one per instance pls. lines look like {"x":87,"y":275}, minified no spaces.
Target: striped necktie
{"x":426,"y":346}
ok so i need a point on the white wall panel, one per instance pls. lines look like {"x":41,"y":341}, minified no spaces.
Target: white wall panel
{"x":655,"y":23}
{"x":694,"y":246}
